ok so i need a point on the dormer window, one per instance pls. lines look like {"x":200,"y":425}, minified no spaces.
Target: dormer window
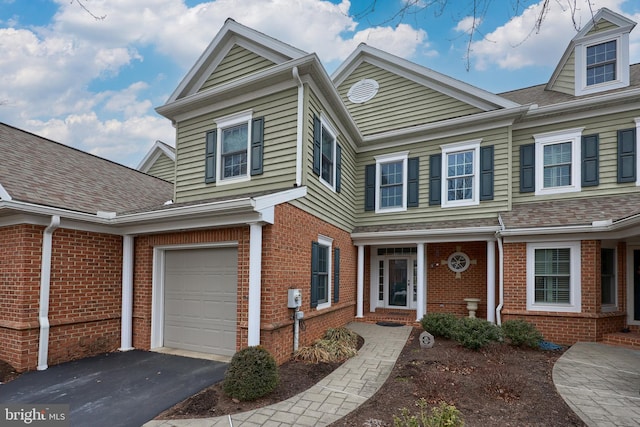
{"x":601,"y":63}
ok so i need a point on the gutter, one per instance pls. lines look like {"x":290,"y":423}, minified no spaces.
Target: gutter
{"x":365,"y":237}
{"x":500,"y":271}
{"x":45,"y":287}
{"x":299,"y":126}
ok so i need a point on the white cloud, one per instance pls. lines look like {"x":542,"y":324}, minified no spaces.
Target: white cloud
{"x":465,"y":25}
{"x":516,"y":45}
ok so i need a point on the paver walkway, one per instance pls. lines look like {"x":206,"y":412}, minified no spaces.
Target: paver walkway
{"x":335,"y":396}
{"x":601,"y":383}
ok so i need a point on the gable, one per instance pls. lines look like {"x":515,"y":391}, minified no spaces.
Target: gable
{"x":602,"y":25}
{"x":399,"y":103}
{"x":565,"y":81}
{"x":163,"y":168}
{"x":239,"y":62}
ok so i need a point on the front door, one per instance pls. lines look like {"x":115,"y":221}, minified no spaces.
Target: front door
{"x":401,"y":290}
{"x":635,"y":289}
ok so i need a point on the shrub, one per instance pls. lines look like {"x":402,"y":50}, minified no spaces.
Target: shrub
{"x":252,"y":373}
{"x":475,"y":333}
{"x":312,"y":354}
{"x":440,"y":324}
{"x":339,"y":350}
{"x":521,"y":333}
{"x":443,"y":415}
{"x":344,"y":335}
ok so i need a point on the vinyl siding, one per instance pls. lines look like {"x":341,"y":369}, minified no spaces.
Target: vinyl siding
{"x":279,"y":111}
{"x":602,"y":25}
{"x":565,"y":82}
{"x":400,"y":102}
{"x":335,"y":208}
{"x":238,"y":63}
{"x":163,"y":168}
{"x":606,"y":126}
{"x":424,"y":213}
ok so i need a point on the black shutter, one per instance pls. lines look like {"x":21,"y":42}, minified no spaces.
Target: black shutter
{"x":435,"y":179}
{"x":627,"y":155}
{"x":210,"y":157}
{"x":315,"y":267}
{"x":338,"y":167}
{"x":370,"y":187}
{"x":590,"y":160}
{"x":257,"y":145}
{"x":412,"y":182}
{"x":336,"y":275}
{"x":317,"y":134}
{"x":486,"y":173}
{"x":527,"y":168}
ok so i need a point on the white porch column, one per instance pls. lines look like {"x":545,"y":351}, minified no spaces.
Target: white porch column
{"x":360,"y":289}
{"x":420,"y":277}
{"x":491,"y":281}
{"x":127,"y":294}
{"x":255,"y":279}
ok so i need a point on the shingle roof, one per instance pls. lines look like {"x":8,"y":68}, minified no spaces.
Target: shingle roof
{"x":579,"y":211}
{"x":538,"y":95}
{"x":435,"y":225}
{"x":37,"y":170}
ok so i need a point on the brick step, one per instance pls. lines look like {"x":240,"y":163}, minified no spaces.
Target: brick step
{"x":626,"y":339}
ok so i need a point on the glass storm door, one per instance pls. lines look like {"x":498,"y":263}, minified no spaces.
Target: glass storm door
{"x":401,"y":280}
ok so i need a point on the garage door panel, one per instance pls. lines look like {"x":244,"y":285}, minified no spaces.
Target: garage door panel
{"x":201,"y":300}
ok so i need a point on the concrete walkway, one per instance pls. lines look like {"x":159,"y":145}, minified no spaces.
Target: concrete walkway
{"x":335,"y":396}
{"x":601,"y":383}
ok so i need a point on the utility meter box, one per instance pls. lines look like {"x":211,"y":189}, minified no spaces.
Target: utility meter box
{"x":295,"y":298}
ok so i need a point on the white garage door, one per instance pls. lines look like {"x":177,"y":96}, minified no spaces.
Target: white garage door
{"x":200,"y":300}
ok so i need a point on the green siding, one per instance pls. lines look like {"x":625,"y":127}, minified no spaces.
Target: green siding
{"x":400,"y":102}
{"x":499,"y":138}
{"x":163,"y":168}
{"x":335,"y":208}
{"x":602,"y":25}
{"x":565,"y":82}
{"x":238,"y":63}
{"x":279,"y":111}
{"x":606,"y":126}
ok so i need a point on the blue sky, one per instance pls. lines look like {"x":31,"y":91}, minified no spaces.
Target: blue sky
{"x":94,"y":84}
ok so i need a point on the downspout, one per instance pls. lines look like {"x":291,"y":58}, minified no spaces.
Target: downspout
{"x":299,"y":127}
{"x":500,"y":271}
{"x":45,"y":286}
{"x":126,"y":321}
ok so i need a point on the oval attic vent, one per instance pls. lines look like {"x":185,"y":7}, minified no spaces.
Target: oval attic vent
{"x":363,"y":91}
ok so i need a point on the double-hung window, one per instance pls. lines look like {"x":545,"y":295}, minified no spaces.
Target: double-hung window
{"x":558,"y":161}
{"x":324,"y":272}
{"x":553,"y":277}
{"x":608,"y":284}
{"x":326,"y":153}
{"x":601,"y":62}
{"x":228,"y":151}
{"x":461,"y":172}
{"x":234,"y":153}
{"x":391,"y":182}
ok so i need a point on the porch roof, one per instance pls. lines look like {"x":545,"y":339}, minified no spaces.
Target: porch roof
{"x":480,"y":223}
{"x":572,"y":212}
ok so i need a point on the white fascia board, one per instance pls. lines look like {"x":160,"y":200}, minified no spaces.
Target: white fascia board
{"x":457,"y":89}
{"x":44,"y":220}
{"x":594,"y":103}
{"x":270,"y":200}
{"x":154,"y":153}
{"x":467,"y":234}
{"x":189,"y":223}
{"x":247,"y":87}
{"x":244,"y":204}
{"x":625,"y":24}
{"x":4,"y":195}
{"x":229,"y":30}
{"x":31,"y":208}
{"x":456,"y":126}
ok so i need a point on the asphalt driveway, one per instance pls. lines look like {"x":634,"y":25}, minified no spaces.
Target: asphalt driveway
{"x":115,"y":389}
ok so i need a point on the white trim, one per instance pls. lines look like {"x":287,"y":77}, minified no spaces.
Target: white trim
{"x":255,"y":284}
{"x":607,"y":308}
{"x":299,"y":126}
{"x":325,"y":124}
{"x":473,"y":145}
{"x":222,"y":123}
{"x":491,"y":281}
{"x":575,"y":293}
{"x":153,"y":155}
{"x":622,"y":64}
{"x":637,"y":121}
{"x":392,"y":158}
{"x":573,"y":136}
{"x":360,"y":284}
{"x":158,"y":285}
{"x":421,"y":283}
{"x":4,"y":195}
{"x":126,"y":322}
{"x":327,"y":242}
{"x":630,"y":285}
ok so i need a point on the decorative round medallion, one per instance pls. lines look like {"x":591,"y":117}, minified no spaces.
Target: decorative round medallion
{"x":458,"y":262}
{"x":363,"y":91}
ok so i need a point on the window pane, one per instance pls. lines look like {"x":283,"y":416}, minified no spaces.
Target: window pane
{"x":234,"y":139}
{"x":607,"y":268}
{"x":557,"y":165}
{"x":326,"y":148}
{"x":391,"y":196}
{"x":391,"y":185}
{"x":460,"y":176}
{"x":234,"y":165}
{"x":601,"y":63}
{"x":323,"y":274}
{"x":552,"y":272}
